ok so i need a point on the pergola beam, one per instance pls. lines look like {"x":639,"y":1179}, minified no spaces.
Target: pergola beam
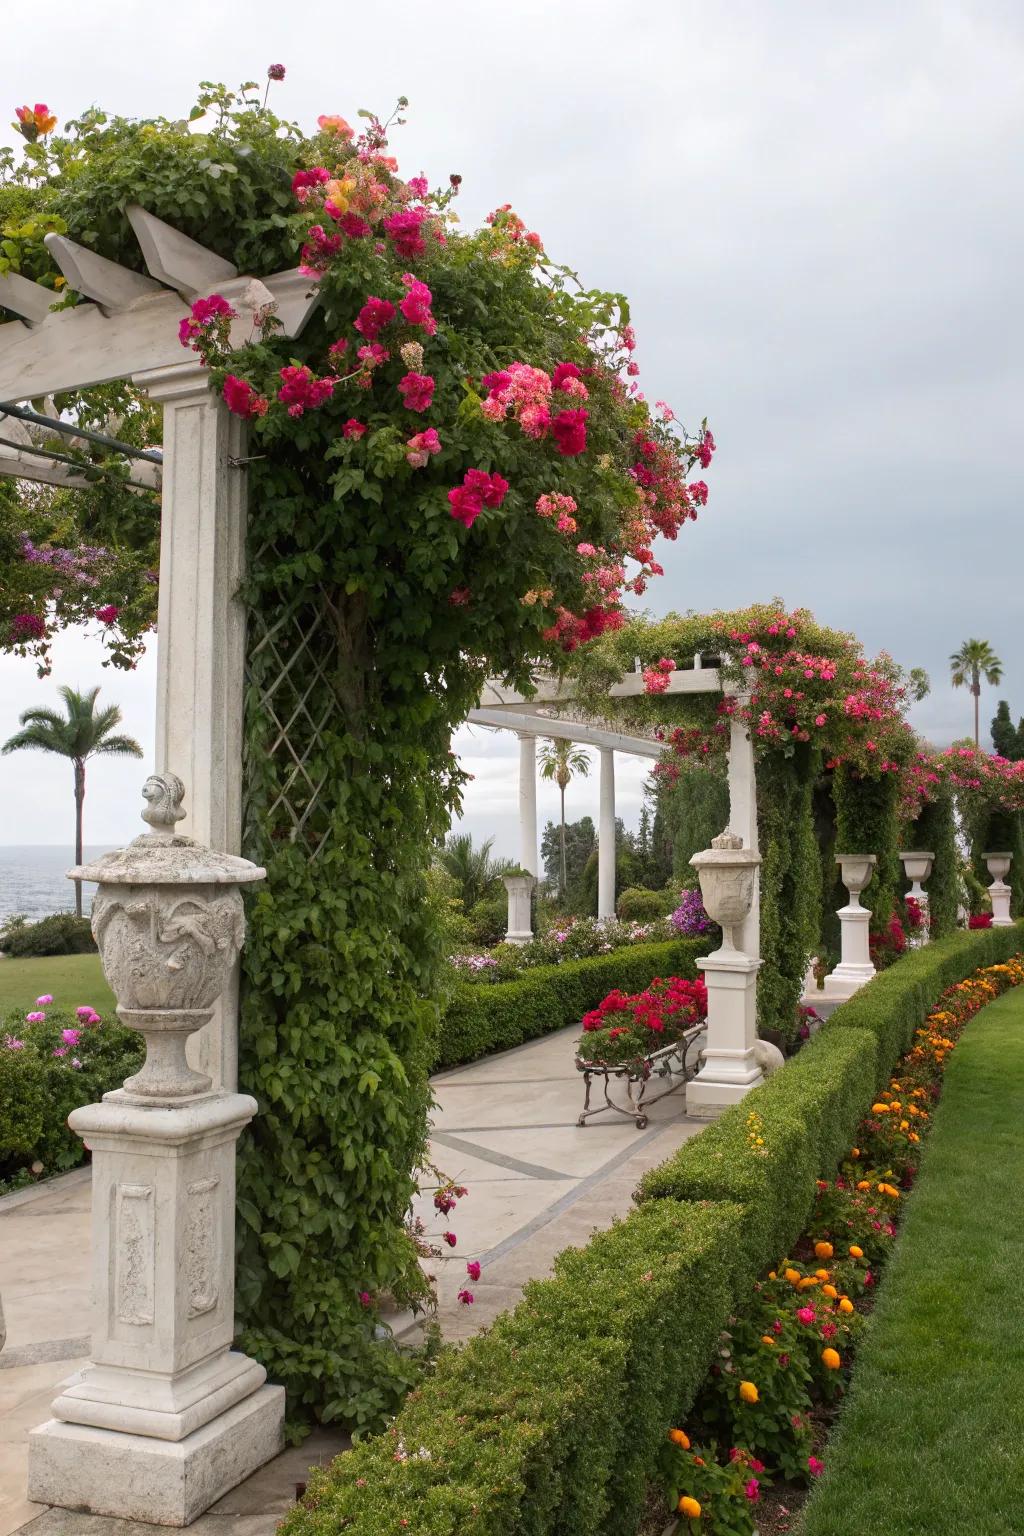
{"x":563,"y":691}
{"x":563,"y":729}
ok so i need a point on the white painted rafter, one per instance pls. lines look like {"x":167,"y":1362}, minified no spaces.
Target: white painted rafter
{"x":127,"y":323}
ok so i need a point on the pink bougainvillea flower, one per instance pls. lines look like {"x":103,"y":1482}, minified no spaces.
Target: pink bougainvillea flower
{"x":466,"y":505}
{"x":374,"y":316}
{"x":752,"y":1491}
{"x":814,"y":1466}
{"x":417,"y":391}
{"x":35,"y":1017}
{"x":473,"y":1269}
{"x":206,"y":317}
{"x":420,"y":446}
{"x":705,"y":448}
{"x":444,"y":1202}
{"x":569,"y":429}
{"x":365,"y":1299}
{"x":353,"y":428}
{"x":41,"y":1002}
{"x":450,"y":1239}
{"x":275,"y":72}
{"x":416,"y":304}
{"x":242,"y":399}
{"x":406,"y":231}
{"x":492,"y":488}
{"x":305,"y":182}
{"x":301,"y":390}
{"x":466,"y":1297}
{"x":459,"y":597}
{"x":27,"y":626}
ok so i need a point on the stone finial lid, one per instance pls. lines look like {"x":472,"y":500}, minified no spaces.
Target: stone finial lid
{"x":726,"y":849}
{"x":163,"y":856}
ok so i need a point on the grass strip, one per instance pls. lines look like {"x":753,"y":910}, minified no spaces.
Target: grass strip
{"x":931,"y":1441}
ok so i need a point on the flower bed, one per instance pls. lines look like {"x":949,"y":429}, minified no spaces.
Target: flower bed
{"x":571,"y":938}
{"x":786,"y":1353}
{"x":481,"y":1019}
{"x":53,"y":1059}
{"x":555,"y":1418}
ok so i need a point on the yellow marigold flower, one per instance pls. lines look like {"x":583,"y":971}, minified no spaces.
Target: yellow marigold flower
{"x":748,"y":1392}
{"x":855,"y":1252}
{"x":772,"y":1275}
{"x":793,"y":1276}
{"x":689,"y":1507}
{"x":831,"y":1359}
{"x":680,"y":1437}
{"x":879,"y":1109}
{"x":766,"y":1338}
{"x":864,"y":1184}
{"x":846,"y":1305}
{"x":904,"y":1125}
{"x":829,"y":1291}
{"x":821,"y":1274}
{"x":855,"y":1153}
{"x":823,"y":1250}
{"x":807,"y":1282}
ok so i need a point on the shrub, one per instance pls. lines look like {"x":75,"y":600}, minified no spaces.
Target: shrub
{"x":637,"y":905}
{"x":552,"y":1421}
{"x":488,"y":919}
{"x":39,"y":1087}
{"x":61,"y":934}
{"x":494,"y":1018}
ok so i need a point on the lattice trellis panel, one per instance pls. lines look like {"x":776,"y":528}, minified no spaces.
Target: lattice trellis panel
{"x":291,"y":663}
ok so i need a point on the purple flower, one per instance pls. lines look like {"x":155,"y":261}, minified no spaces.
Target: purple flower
{"x":71,"y":1036}
{"x":275,"y":72}
{"x":12,"y":1044}
{"x":690,"y":918}
{"x":41,"y":1002}
{"x":35,"y":1018}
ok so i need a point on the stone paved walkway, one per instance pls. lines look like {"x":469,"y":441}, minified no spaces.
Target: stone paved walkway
{"x":504,"y":1127}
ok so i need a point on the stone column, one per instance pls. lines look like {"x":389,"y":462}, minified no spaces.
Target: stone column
{"x":520,"y":890}
{"x":201,"y":630}
{"x":166,"y":1417}
{"x":731,"y":1066}
{"x":528,"y":801}
{"x":743,"y":821}
{"x":855,"y":965}
{"x":606,"y":838}
{"x":999,"y":892}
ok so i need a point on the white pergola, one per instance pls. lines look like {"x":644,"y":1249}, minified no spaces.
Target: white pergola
{"x":549,"y":712}
{"x":126,"y":327}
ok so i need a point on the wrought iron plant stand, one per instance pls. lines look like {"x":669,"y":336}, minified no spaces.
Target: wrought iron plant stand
{"x":674,"y":1064}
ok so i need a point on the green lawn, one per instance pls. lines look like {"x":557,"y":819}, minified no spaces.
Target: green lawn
{"x":931,"y":1442}
{"x":72,"y":979}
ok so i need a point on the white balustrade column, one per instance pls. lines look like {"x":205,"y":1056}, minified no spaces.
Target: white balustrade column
{"x":606,"y":837}
{"x":528,"y":801}
{"x":201,"y":637}
{"x":743,"y":821}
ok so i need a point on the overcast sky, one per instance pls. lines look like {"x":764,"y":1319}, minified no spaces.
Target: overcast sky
{"x":816,"y":212}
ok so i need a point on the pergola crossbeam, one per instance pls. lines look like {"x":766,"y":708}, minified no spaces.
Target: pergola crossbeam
{"x":109,"y":284}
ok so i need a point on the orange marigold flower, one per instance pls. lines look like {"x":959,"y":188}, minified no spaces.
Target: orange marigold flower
{"x":680,"y":1437}
{"x":793,"y":1276}
{"x":748,"y":1392}
{"x":855,"y":1252}
{"x":823,"y":1250}
{"x":864,"y":1184}
{"x":845,"y":1305}
{"x":829,"y":1291}
{"x":831,"y":1359}
{"x":879,"y":1109}
{"x":766,"y":1338}
{"x":689,"y":1507}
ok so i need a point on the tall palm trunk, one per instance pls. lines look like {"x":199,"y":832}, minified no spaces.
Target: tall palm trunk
{"x":79,"y":803}
{"x":976,"y":690}
{"x":563,"y":882}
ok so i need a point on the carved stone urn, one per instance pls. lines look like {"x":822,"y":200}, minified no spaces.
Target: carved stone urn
{"x":999,"y":892}
{"x":917,"y":867}
{"x":726,"y":871}
{"x":856,"y":870}
{"x":169,"y":923}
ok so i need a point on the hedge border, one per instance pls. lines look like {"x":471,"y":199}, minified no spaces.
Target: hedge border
{"x":550,"y":1423}
{"x":484,"y":1017}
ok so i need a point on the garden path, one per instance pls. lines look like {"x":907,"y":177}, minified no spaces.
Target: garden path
{"x":505,"y":1127}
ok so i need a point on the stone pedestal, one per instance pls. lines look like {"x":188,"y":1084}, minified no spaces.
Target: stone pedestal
{"x":855,"y":966}
{"x":917,"y":866}
{"x":731,"y":1066}
{"x":999,"y":892}
{"x":520,"y":891}
{"x":166,"y":1417}
{"x":728,"y":881}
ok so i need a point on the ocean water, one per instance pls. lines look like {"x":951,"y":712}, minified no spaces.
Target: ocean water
{"x":32,"y":879}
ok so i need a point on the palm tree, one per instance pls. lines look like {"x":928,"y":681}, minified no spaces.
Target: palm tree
{"x":472,"y":868}
{"x":82,"y":733}
{"x":561,"y":760}
{"x":974,"y":660}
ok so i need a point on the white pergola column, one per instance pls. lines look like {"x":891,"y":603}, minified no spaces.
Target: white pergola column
{"x":528,"y":801}
{"x":743,"y":821}
{"x":201,"y":627}
{"x":606,"y":837}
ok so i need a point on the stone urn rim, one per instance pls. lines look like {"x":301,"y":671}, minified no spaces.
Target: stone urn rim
{"x":916,"y":853}
{"x":726,"y":851}
{"x":156,"y":859}
{"x":846,"y":858}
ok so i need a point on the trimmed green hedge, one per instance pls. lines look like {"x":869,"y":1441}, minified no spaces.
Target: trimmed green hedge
{"x":489,"y":1017}
{"x":550,"y":1423}
{"x":808,"y":1111}
{"x":553,"y":1420}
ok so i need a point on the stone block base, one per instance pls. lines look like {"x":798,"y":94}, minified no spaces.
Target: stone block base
{"x":164,"y":1482}
{"x":706,"y":1100}
{"x":845,"y":980}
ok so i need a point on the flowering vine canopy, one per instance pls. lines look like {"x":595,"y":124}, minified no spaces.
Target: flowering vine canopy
{"x":459,"y":399}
